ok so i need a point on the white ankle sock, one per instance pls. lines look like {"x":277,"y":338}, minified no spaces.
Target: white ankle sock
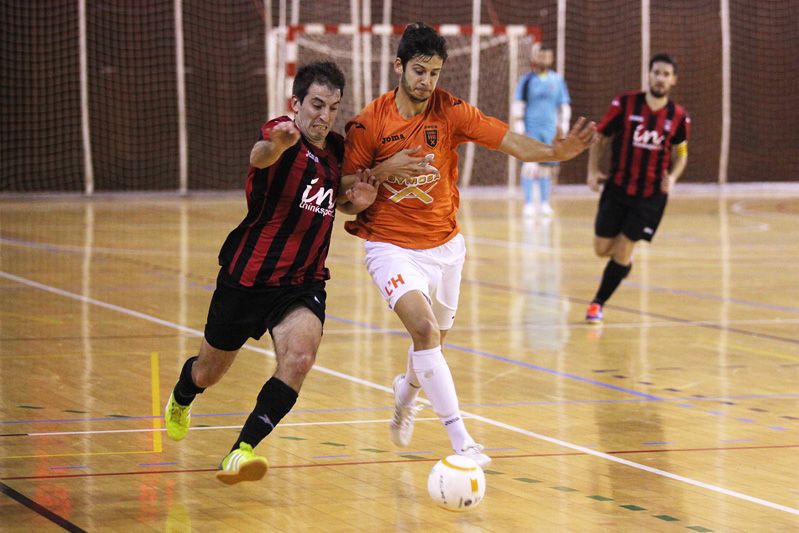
{"x":435,"y":377}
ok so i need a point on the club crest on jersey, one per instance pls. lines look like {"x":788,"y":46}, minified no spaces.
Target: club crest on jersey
{"x":431,"y":136}
{"x":314,"y":203}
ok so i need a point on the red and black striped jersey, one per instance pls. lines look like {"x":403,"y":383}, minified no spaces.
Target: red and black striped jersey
{"x":291,"y":205}
{"x":642,"y":142}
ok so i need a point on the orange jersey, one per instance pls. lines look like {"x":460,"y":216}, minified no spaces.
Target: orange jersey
{"x":417,"y":212}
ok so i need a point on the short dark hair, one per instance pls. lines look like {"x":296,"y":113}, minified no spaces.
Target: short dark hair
{"x":419,"y":39}
{"x":322,"y":72}
{"x":663,"y":58}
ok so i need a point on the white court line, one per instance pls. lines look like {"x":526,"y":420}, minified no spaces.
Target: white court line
{"x":490,"y":421}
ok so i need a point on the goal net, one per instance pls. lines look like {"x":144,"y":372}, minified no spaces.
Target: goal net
{"x":169,"y":95}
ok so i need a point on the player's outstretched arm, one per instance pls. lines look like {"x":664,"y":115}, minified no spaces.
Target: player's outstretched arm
{"x":283,"y":136}
{"x":580,"y":137}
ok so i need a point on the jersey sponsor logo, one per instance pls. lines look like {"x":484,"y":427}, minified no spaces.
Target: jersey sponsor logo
{"x":647,"y":139}
{"x":417,"y":187}
{"x":394,"y":282}
{"x":431,"y":136}
{"x":636,"y":118}
{"x":314,"y":203}
{"x":392,"y":138}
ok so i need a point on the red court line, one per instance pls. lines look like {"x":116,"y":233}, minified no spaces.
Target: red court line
{"x":391,"y":461}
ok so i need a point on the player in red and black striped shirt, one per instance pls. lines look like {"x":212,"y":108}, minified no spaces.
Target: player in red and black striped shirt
{"x":273,"y":264}
{"x":645,"y":127}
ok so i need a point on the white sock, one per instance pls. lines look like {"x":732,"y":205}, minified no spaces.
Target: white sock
{"x":433,"y":374}
{"x":409,"y":388}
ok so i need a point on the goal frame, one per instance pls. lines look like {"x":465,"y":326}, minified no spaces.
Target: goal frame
{"x":283,"y":40}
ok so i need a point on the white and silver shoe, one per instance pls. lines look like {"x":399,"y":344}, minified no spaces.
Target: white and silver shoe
{"x":401,"y":426}
{"x":474,"y":452}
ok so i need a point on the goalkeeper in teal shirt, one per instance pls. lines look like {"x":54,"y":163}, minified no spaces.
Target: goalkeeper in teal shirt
{"x":541,"y":110}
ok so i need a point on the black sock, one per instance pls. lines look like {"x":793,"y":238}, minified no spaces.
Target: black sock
{"x":611,"y":279}
{"x":185,"y":389}
{"x":274,"y":402}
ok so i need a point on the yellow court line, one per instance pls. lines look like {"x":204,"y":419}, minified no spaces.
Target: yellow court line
{"x":156,"y":394}
{"x":755,"y":351}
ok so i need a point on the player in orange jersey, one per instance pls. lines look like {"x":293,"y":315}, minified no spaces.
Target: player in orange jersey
{"x":414,"y":251}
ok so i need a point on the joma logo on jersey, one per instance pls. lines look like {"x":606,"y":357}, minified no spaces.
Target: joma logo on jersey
{"x":402,"y":188}
{"x":392,"y":138}
{"x":314,"y":203}
{"x":647,"y":139}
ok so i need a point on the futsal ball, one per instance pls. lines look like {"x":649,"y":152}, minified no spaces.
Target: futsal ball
{"x":457,"y":483}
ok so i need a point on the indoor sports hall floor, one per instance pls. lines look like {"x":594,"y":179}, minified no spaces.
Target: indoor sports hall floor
{"x":679,"y":414}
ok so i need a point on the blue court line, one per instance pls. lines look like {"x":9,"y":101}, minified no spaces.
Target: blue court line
{"x":712,"y":297}
{"x":504,"y":359}
{"x":638,"y":312}
{"x":553,"y":372}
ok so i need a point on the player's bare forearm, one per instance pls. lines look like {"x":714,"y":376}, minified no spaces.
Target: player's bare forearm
{"x":677,"y":168}
{"x":595,"y":176}
{"x":595,"y":153}
{"x":580,"y":137}
{"x":526,"y":148}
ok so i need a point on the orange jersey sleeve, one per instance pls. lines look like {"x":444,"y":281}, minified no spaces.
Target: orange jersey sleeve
{"x":417,"y":212}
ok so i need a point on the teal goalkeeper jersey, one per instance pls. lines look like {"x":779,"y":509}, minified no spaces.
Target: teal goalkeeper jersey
{"x":543,"y":96}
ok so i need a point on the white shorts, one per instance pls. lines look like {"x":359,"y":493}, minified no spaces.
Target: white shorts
{"x":436,"y":272}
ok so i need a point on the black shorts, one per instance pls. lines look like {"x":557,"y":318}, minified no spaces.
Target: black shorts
{"x":636,"y":218}
{"x":238,"y":313}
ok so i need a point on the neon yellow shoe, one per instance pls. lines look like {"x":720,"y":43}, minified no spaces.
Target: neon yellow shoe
{"x":177,"y":418}
{"x":242,"y":465}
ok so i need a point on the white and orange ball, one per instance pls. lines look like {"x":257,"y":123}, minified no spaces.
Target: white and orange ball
{"x":457,"y":483}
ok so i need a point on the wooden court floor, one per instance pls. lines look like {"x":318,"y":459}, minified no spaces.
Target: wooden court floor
{"x":679,"y":414}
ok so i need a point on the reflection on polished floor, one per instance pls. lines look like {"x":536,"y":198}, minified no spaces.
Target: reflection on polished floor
{"x":679,"y":413}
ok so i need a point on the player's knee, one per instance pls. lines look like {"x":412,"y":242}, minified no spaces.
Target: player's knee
{"x":602,"y":249}
{"x":300,"y":362}
{"x":425,"y":333}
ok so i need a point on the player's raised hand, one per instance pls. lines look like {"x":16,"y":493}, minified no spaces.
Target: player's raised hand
{"x":405,"y":164}
{"x":581,"y":136}
{"x":284,"y":135}
{"x":363,"y":192}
